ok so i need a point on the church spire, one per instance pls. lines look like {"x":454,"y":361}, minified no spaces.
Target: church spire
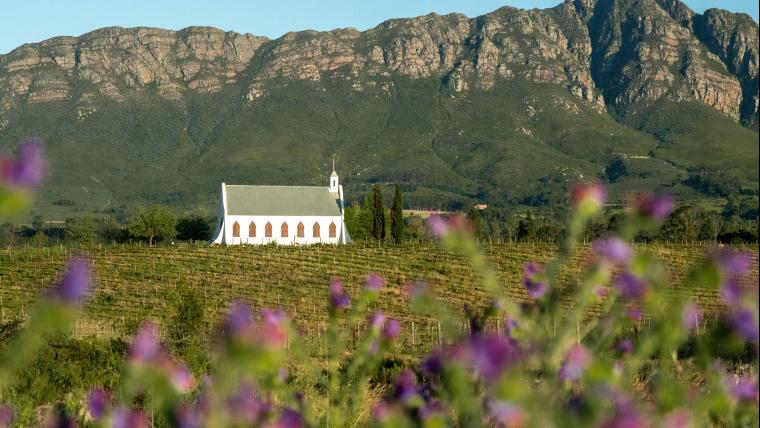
{"x":333,"y":177}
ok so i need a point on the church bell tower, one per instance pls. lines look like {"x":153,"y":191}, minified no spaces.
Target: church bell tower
{"x":334,"y":179}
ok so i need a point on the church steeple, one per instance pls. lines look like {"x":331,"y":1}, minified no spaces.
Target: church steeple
{"x":334,"y":178}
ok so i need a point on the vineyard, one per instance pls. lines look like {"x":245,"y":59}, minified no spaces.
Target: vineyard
{"x":135,"y":283}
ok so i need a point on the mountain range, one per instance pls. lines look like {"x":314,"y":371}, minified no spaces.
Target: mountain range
{"x":508,"y":108}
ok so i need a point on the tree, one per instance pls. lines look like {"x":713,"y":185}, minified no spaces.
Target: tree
{"x":526,"y":229}
{"x":477,"y":222}
{"x":193,"y":228}
{"x":397,"y":217}
{"x":378,"y":213}
{"x":615,"y":170}
{"x":154,"y":223}
{"x":80,"y":230}
{"x":110,"y":229}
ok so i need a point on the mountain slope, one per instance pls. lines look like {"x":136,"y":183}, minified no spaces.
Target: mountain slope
{"x":508,"y":107}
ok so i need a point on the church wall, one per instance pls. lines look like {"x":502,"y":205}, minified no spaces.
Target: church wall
{"x":308,"y":222}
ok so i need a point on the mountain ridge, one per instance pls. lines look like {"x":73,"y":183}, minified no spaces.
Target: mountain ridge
{"x":614,"y":62}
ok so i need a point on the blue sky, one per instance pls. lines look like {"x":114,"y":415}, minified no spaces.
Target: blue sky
{"x":26,"y":21}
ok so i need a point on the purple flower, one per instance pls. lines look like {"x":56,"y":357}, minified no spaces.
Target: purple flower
{"x":247,"y":406}
{"x":438,"y":226}
{"x":180,"y":377}
{"x":374,"y":282}
{"x":128,"y":418}
{"x":189,"y":417}
{"x":731,"y":292}
{"x":745,"y":324}
{"x":405,"y":387}
{"x":145,"y":347}
{"x":575,"y":363}
{"x":657,"y":208}
{"x":634,"y":313}
{"x":239,"y":318}
{"x":338,"y":298}
{"x":381,"y":411}
{"x":691,"y":316}
{"x":732,"y":263}
{"x":613,"y":250}
{"x":625,"y":346}
{"x":28,"y":169}
{"x":745,"y":390}
{"x":431,"y":409}
{"x":536,"y":289}
{"x":76,"y":283}
{"x":274,"y":330}
{"x":391,"y":330}
{"x":488,"y":355}
{"x":506,"y":414}
{"x":98,"y":401}
{"x":510,"y":325}
{"x":591,"y":195}
{"x":630,"y":286}
{"x":289,"y":419}
{"x":376,"y":321}
{"x":600,"y":291}
{"x":6,"y":416}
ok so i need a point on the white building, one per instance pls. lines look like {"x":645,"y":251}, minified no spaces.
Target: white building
{"x":285,"y":215}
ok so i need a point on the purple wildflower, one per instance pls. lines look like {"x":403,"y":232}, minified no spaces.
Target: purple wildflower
{"x":189,"y":417}
{"x":433,"y":364}
{"x":536,"y":289}
{"x":374,"y":282}
{"x":391,"y":330}
{"x":510,"y":325}
{"x":6,"y":416}
{"x":128,"y":418}
{"x":438,"y":226}
{"x":274,"y":329}
{"x":76,"y":283}
{"x":289,"y":419}
{"x":506,"y":414}
{"x":98,"y":401}
{"x":431,"y":409}
{"x":613,"y":250}
{"x":239,"y":318}
{"x":145,"y":347}
{"x":657,"y":208}
{"x":600,"y":291}
{"x":575,"y":363}
{"x":381,"y":411}
{"x":405,"y":387}
{"x":732,"y":263}
{"x":591,"y":195}
{"x":247,"y":406}
{"x":28,"y":169}
{"x":338,"y":298}
{"x":630,"y":286}
{"x":180,"y":377}
{"x":745,"y":324}
{"x":745,"y":390}
{"x":376,"y":321}
{"x":691,"y":316}
{"x":625,"y":346}
{"x":490,"y":355}
{"x":634,"y":313}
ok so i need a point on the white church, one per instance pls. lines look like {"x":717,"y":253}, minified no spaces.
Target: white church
{"x":285,"y":215}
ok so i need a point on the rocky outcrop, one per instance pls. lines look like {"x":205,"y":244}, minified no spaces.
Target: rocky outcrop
{"x":607,"y":53}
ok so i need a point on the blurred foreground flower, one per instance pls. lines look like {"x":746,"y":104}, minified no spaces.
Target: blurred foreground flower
{"x":27,"y":169}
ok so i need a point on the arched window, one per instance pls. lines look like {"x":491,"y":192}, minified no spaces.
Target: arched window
{"x":252,"y":230}
{"x":299,"y":230}
{"x":315,"y":230}
{"x":332,"y":230}
{"x":284,"y":229}
{"x":268,"y":230}
{"x":236,"y":230}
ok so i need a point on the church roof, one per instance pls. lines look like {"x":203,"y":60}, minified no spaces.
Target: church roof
{"x":282,"y":200}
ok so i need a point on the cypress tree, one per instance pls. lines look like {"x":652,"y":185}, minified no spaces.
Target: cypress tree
{"x":397,"y":217}
{"x":378,"y":213}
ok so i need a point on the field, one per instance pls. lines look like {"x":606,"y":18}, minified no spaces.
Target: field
{"x":138,"y":282}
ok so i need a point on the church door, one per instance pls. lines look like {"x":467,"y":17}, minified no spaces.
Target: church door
{"x":315,"y":230}
{"x":299,"y":230}
{"x":332,"y":230}
{"x":268,"y":230}
{"x":284,"y":230}
{"x":236,"y":230}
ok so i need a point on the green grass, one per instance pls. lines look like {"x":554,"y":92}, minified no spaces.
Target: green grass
{"x":135,"y":283}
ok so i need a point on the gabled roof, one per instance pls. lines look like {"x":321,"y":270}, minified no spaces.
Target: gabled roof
{"x":282,"y":200}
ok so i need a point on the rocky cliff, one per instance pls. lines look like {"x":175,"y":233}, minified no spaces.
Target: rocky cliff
{"x":613,"y":54}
